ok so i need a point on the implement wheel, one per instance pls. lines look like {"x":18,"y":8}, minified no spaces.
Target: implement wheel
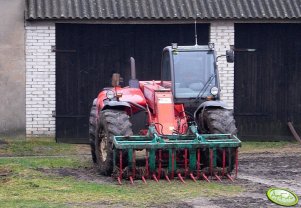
{"x":111,"y":123}
{"x":219,"y":121}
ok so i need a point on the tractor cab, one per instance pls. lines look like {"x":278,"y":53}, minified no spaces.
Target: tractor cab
{"x":190,"y":72}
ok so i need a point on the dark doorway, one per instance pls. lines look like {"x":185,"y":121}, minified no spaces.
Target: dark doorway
{"x":267,"y":87}
{"x":87,"y":55}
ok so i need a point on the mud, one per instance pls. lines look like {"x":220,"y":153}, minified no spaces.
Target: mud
{"x":84,"y":174}
{"x":257,"y":173}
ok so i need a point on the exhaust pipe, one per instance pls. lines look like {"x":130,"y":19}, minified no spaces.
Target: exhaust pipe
{"x":133,"y":83}
{"x":133,"y":68}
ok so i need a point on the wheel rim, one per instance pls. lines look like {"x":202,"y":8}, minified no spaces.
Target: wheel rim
{"x":103,"y":146}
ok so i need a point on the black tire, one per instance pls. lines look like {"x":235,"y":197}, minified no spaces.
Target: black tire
{"x":218,"y":121}
{"x":92,"y":129}
{"x":111,"y":123}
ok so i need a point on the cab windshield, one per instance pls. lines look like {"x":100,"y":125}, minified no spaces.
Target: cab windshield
{"x":192,"y":71}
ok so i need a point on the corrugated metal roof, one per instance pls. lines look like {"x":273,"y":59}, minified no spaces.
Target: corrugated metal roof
{"x":163,"y":9}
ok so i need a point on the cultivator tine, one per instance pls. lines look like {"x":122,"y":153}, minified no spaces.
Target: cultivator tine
{"x":167,"y":178}
{"x":217,"y":177}
{"x":143,"y":179}
{"x":172,"y":164}
{"x":186,"y":162}
{"x":192,"y":177}
{"x":134,"y":163}
{"x":119,"y":180}
{"x":224,"y":162}
{"x":230,"y":178}
{"x":205,"y":177}
{"x":120,"y":165}
{"x":159,"y":164}
{"x":236,"y":162}
{"x":146,"y":164}
{"x":181,"y":178}
{"x":198,"y":163}
{"x":155,"y":178}
{"x":131,"y":179}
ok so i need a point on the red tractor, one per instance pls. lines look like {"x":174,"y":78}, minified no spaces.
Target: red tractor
{"x":175,"y":127}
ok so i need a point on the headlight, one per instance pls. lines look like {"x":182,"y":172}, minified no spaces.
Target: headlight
{"x":214,"y":91}
{"x":110,"y":94}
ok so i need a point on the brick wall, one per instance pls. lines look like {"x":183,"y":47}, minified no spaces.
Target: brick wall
{"x":222,"y":35}
{"x":40,"y":73}
{"x":40,"y":79}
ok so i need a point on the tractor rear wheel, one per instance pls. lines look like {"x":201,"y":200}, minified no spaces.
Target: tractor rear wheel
{"x":92,"y":129}
{"x":111,"y":123}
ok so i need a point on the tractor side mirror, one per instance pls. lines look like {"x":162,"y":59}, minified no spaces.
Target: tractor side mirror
{"x":230,"y":56}
{"x":115,"y":79}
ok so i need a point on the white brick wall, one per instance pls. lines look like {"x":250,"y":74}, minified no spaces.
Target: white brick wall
{"x":40,"y":79}
{"x":222,"y":35}
{"x":40,"y":73}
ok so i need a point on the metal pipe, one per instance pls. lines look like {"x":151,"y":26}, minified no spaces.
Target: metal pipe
{"x":160,"y":164}
{"x":198,"y":163}
{"x":146,"y":164}
{"x":133,"y":68}
{"x":186,"y":162}
{"x":224,"y":162}
{"x":134,"y":164}
{"x":120,"y":164}
{"x":211,"y":161}
{"x":236,"y":162}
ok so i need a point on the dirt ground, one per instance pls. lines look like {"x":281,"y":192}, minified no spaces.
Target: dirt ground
{"x":258,"y":171}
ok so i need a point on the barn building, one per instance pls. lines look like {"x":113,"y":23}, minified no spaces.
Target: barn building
{"x":71,"y":48}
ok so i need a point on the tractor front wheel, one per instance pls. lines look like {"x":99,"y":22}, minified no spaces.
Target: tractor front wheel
{"x":111,"y":123}
{"x":219,"y":121}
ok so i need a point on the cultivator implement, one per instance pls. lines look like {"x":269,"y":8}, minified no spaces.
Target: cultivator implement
{"x":195,"y":156}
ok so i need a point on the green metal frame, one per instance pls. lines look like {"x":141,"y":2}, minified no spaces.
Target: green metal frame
{"x":193,"y":141}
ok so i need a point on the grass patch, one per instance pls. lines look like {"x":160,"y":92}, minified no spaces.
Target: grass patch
{"x":67,"y":190}
{"x":256,"y":147}
{"x":26,"y":186}
{"x":24,"y":163}
{"x":37,"y":146}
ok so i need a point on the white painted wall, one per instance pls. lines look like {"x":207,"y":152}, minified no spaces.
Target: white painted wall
{"x":222,"y":35}
{"x":40,"y":79}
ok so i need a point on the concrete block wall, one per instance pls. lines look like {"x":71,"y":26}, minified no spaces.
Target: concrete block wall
{"x":40,"y":79}
{"x":222,"y":35}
